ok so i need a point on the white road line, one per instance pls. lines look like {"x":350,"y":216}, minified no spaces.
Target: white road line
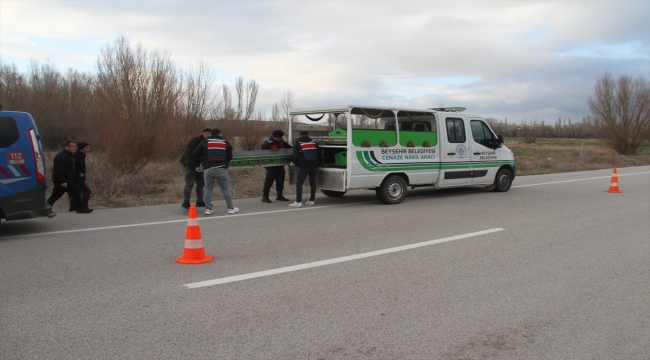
{"x":180,"y":220}
{"x":333,"y":261}
{"x":585,"y":179}
{"x":264,"y":212}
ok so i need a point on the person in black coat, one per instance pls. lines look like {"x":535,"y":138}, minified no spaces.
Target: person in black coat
{"x":80,"y":175}
{"x":191,"y":175}
{"x":274,"y":173}
{"x":214,"y":153}
{"x":307,"y":155}
{"x":63,"y":178}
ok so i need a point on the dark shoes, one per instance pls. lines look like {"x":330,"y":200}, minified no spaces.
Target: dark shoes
{"x":281,"y":198}
{"x":186,"y":205}
{"x":84,"y":211}
{"x":200,"y":204}
{"x":266,"y":200}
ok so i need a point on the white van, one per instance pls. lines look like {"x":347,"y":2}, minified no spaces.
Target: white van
{"x":397,"y":148}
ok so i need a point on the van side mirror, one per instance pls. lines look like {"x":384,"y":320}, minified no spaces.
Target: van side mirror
{"x":499,"y":141}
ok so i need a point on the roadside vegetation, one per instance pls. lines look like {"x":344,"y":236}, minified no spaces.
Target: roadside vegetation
{"x":161,"y":181}
{"x":138,"y":111}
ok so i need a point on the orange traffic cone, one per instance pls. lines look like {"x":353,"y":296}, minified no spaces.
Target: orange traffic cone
{"x":613,"y":188}
{"x":194,"y":252}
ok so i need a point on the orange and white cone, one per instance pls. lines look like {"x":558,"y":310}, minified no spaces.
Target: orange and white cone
{"x":194,"y":252}
{"x":613,"y":187}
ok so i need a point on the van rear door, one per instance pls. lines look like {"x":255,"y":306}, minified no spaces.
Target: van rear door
{"x":22,"y":168}
{"x":14,"y":160}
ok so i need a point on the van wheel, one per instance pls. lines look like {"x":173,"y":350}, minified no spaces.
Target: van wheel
{"x":332,"y":193}
{"x":503,"y":180}
{"x":392,"y":190}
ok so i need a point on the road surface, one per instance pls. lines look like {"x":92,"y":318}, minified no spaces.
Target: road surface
{"x":556,"y":268}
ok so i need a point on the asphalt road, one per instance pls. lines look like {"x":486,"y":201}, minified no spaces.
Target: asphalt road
{"x":556,"y":268}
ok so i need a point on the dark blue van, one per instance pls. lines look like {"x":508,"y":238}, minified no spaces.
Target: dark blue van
{"x":22,"y":168}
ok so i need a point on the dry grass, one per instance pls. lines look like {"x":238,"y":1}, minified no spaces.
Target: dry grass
{"x":161,"y":182}
{"x":555,"y":155}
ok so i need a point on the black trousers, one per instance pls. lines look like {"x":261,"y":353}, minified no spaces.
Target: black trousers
{"x":274,"y":173}
{"x":191,"y":177}
{"x":312,"y":172}
{"x":72,"y":190}
{"x":85,"y":196}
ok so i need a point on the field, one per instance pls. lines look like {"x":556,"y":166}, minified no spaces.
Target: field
{"x":162,"y":182}
{"x":554,"y":155}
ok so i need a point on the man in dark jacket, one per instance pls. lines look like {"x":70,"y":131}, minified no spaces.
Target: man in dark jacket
{"x":274,"y":173}
{"x":215,"y":153}
{"x":63,"y":178}
{"x":191,"y":175}
{"x":80,"y":175}
{"x":307,"y":155}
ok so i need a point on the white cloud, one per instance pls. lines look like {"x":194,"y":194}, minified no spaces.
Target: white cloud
{"x":501,"y":58}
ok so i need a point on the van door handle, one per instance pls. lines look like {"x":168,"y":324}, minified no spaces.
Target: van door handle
{"x":477,"y":153}
{"x":451,"y":153}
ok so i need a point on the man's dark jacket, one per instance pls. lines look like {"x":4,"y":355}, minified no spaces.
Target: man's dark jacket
{"x":306,"y":160}
{"x":186,"y":159}
{"x":63,"y":167}
{"x":79,"y":167}
{"x":200,"y":154}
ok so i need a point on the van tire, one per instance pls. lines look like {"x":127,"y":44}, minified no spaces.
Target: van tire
{"x":392,"y":190}
{"x":332,"y":193}
{"x":503,"y":180}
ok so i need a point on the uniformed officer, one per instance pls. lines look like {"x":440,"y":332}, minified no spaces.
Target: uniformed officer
{"x":214,"y":153}
{"x":308,"y":157}
{"x":274,"y":173}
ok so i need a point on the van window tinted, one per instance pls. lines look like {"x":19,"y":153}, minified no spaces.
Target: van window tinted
{"x":481,"y":133}
{"x":8,"y":131}
{"x":455,"y":130}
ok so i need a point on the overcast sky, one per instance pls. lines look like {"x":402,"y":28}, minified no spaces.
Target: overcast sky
{"x":502,"y":59}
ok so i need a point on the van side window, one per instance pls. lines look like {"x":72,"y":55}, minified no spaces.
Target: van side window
{"x":455,"y":130}
{"x":8,"y":132}
{"x":481,"y":133}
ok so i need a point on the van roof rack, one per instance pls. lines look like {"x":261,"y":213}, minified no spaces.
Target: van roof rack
{"x":450,"y":109}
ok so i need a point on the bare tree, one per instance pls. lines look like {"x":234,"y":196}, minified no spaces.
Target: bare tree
{"x":239,"y":90}
{"x":286,"y":104}
{"x":139,"y":91}
{"x":530,"y":132}
{"x":80,"y":105}
{"x":254,"y":132}
{"x":245,"y":98}
{"x":49,"y":104}
{"x":197,"y":102}
{"x":251,"y":98}
{"x":225,"y":110}
{"x":276,"y":115}
{"x":14,"y":91}
{"x":621,"y":110}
